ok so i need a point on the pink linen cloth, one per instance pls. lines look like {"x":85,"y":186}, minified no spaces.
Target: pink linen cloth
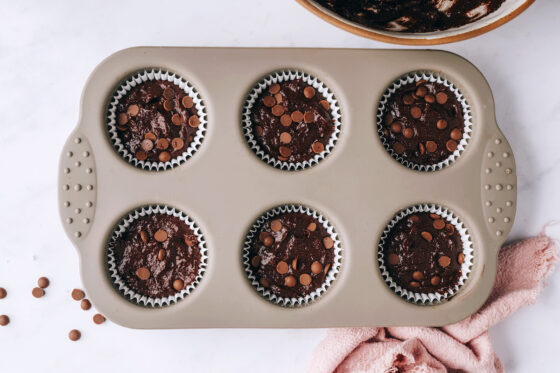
{"x":461,"y":347}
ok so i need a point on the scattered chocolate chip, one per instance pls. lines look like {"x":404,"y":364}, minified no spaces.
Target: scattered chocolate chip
{"x":421,"y":91}
{"x":294,"y":264}
{"x":427,"y":236}
{"x":164,"y":156}
{"x":194,"y":121}
{"x":439,"y":224}
{"x":161,"y":254}
{"x":435,"y":216}
{"x":414,"y":284}
{"x":285,"y":151}
{"x":277,"y":110}
{"x":325,"y":104}
{"x":147,"y":145}
{"x":177,"y":143}
{"x":259,"y":130}
{"x":444,"y":261}
{"x":144,"y":236}
{"x":290,"y":281}
{"x":98,"y":318}
{"x":328,"y":242}
{"x":269,"y":101}
{"x":168,"y":93}
{"x":455,"y":134}
{"x":143,"y":273}
{"x":309,"y":92}
{"x":308,"y":117}
{"x":275,"y":225}
{"x":285,"y":137}
{"x":416,"y":112}
{"x":160,"y":235}
{"x":305,"y":279}
{"x":278,"y":97}
{"x":177,"y":119}
{"x":408,"y":100}
{"x":435,"y":280}
{"x":38,"y":292}
{"x":449,"y":229}
{"x":297,"y":116}
{"x":421,"y":148}
{"x":396,"y":127}
{"x":282,"y":267}
{"x":393,"y":259}
{"x":417,"y":275}
{"x":150,"y":136}
{"x":460,"y":258}
{"x":264,"y":282}
{"x":141,"y":155}
{"x":413,"y":218}
{"x":122,"y":119}
{"x":78,"y":294}
{"x":4,"y":320}
{"x":168,"y":105}
{"x":398,"y":148}
{"x":178,"y":284}
{"x":43,"y":282}
{"x":187,"y":102}
{"x":441,"y":124}
{"x":268,"y":241}
{"x":408,"y":133}
{"x":85,"y":304}
{"x":431,"y":146}
{"x":133,"y":110}
{"x":274,"y":89}
{"x":316,"y":268}
{"x":451,"y":145}
{"x":430,"y":99}
{"x":327,"y":268}
{"x":311,"y":227}
{"x":74,"y":335}
{"x":286,"y":120}
{"x":317,"y":147}
{"x":3,"y":293}
{"x":441,"y":98}
{"x":256,"y":261}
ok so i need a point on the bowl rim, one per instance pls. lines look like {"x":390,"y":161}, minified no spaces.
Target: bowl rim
{"x":376,"y":35}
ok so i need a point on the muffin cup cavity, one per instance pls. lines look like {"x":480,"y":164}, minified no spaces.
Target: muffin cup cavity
{"x":414,"y":77}
{"x":427,"y":298}
{"x":263,"y":85}
{"x":331,"y":274}
{"x":120,"y":284}
{"x":139,"y":78}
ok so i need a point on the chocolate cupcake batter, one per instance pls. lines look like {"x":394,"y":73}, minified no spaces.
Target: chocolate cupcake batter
{"x":423,"y":122}
{"x":156,"y":121}
{"x":424,"y":253}
{"x":412,"y":16}
{"x":292,"y":122}
{"x":292,"y":254}
{"x":158,"y":255}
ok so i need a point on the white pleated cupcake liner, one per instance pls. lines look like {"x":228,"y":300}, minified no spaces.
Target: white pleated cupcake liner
{"x":120,"y":283}
{"x":414,"y":77}
{"x":122,"y":91}
{"x":263,"y":85}
{"x":428,"y":298}
{"x":254,"y":232}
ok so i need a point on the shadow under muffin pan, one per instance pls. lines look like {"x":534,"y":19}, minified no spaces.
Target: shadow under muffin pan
{"x":224,"y":188}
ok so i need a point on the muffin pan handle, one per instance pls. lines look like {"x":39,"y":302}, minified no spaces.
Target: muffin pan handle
{"x":499,"y":194}
{"x":77,"y":187}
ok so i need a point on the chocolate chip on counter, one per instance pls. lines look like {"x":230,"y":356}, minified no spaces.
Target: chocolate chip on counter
{"x":309,"y":92}
{"x":435,"y":280}
{"x":74,"y":335}
{"x":417,"y":275}
{"x":277,"y":110}
{"x":150,"y":136}
{"x":328,"y":242}
{"x":187,"y":102}
{"x":290,"y":281}
{"x":444,"y":261}
{"x":308,"y":117}
{"x":164,"y":156}
{"x":398,"y":148}
{"x":269,"y":101}
{"x":297,"y":116}
{"x":4,"y":320}
{"x":274,"y":89}
{"x":43,"y":282}
{"x":285,"y":151}
{"x":449,"y":229}
{"x":178,"y":284}
{"x":268,"y":241}
{"x":256,"y":261}
{"x":133,"y":110}
{"x":78,"y":294}
{"x":408,"y":133}
{"x":414,"y":284}
{"x":316,"y":268}
{"x":122,"y":119}
{"x":168,"y":93}
{"x":168,"y":105}
{"x":282,"y":267}
{"x":161,"y":254}
{"x":160,"y":235}
{"x":396,"y":127}
{"x":143,"y":273}
{"x":285,"y":137}
{"x":177,"y":143}
{"x":38,"y":292}
{"x":275,"y":225}
{"x":441,"y":98}
{"x":177,"y":119}
{"x":311,"y":227}
{"x":460,"y":258}
{"x":416,"y":112}
{"x":85,"y":304}
{"x":451,"y":145}
{"x":427,"y":236}
{"x":393,"y":259}
{"x":325,"y":104}
{"x":147,"y":145}
{"x":317,"y":147}
{"x":3,"y":293}
{"x":141,"y":155}
{"x":305,"y":279}
{"x":439,"y":224}
{"x":430,"y":99}
{"x":431,"y":146}
{"x":98,"y":318}
{"x":286,"y":120}
{"x":408,"y":100}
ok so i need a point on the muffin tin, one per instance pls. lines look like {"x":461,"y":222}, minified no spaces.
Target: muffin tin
{"x":224,"y":187}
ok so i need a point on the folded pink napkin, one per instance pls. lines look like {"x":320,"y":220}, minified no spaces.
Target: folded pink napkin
{"x":461,"y":347}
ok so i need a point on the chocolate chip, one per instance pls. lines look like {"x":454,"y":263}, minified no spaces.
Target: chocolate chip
{"x":421,"y":91}
{"x":3,"y":293}
{"x":414,"y":284}
{"x":308,"y":117}
{"x":435,"y":280}
{"x":168,"y":105}
{"x":417,"y":275}
{"x":430,"y":99}
{"x":150,"y":136}
{"x":285,"y":151}
{"x":38,"y":292}
{"x":441,"y":98}
{"x":160,"y":235}
{"x":393,"y":259}
{"x":389,"y":118}
{"x":141,"y":155}
{"x":421,"y":148}
{"x":305,"y":279}
{"x":290,"y":281}
{"x":277,"y":110}
{"x":309,"y":92}
{"x":268,"y":241}
{"x":264,"y":282}
{"x":161,"y":254}
{"x":177,"y":119}
{"x":269,"y":101}
{"x":98,"y":318}
{"x":258,"y":130}
{"x":256,"y":261}
{"x":74,"y":335}
{"x":168,"y":93}
{"x":427,"y":236}
{"x":408,"y":100}
{"x":85,"y":304}
{"x":144,"y":236}
{"x":451,"y":145}
{"x":431,"y":146}
{"x":396,"y":127}
{"x":311,"y":227}
{"x":147,"y":145}
{"x":441,"y":124}
{"x":194,"y":121}
{"x":177,"y":143}
{"x":316,"y":268}
{"x":413,"y":218}
{"x":263,"y":235}
{"x":178,"y":284}
{"x":294,"y":264}
{"x":444,"y":261}
{"x":460,"y":258}
{"x":4,"y":320}
{"x":187,"y":102}
{"x":398,"y":148}
{"x":43,"y":282}
{"x":317,"y":147}
{"x":449,"y":229}
{"x":133,"y":110}
{"x":285,"y":120}
{"x":164,"y":156}
{"x":297,"y":116}
{"x":455,"y":134}
{"x":435,"y":216}
{"x":122,"y":119}
{"x":122,"y":129}
{"x":282,"y":267}
{"x":328,"y":242}
{"x":325,"y":104}
{"x":278,"y":97}
{"x":285,"y":137}
{"x":275,"y":225}
{"x":408,"y":133}
{"x":439,"y":224}
{"x":416,"y":112}
{"x":78,"y":294}
{"x":188,"y":242}
{"x":143,"y":273}
{"x":275,"y":88}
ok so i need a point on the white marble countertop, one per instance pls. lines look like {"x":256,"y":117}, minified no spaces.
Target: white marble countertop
{"x":47,"y":51}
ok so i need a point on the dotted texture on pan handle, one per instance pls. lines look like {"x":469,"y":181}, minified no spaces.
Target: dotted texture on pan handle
{"x":77,"y":187}
{"x":499,"y":187}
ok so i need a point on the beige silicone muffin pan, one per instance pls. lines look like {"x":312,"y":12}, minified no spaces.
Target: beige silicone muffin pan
{"x":224,"y":187}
